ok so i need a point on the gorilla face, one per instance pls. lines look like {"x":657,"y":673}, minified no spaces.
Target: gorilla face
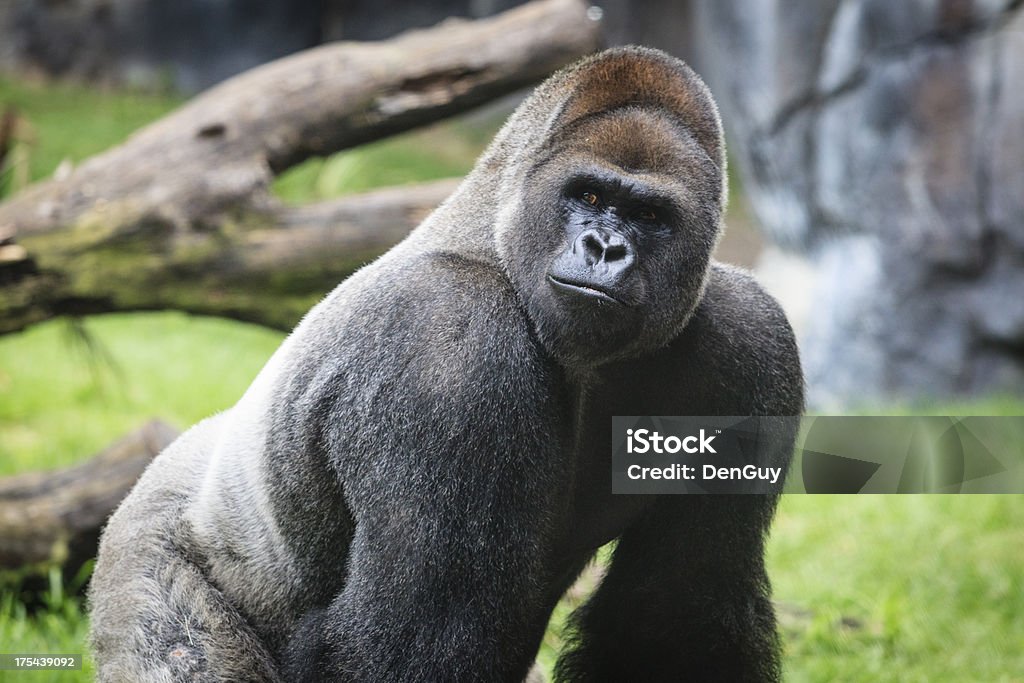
{"x":617,"y":227}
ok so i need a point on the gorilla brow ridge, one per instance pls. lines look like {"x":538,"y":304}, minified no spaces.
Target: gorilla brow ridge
{"x":559,"y":138}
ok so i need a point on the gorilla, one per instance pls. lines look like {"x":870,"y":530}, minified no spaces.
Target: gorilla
{"x":423,"y":468}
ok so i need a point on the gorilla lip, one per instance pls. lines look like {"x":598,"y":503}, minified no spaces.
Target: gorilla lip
{"x":584,"y":290}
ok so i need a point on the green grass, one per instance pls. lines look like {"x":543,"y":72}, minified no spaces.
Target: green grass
{"x":59,"y":628}
{"x":68,"y":121}
{"x":901,"y":588}
{"x":443,"y":150}
{"x":62,"y":399}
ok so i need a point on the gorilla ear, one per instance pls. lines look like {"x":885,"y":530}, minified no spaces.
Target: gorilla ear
{"x":634,"y":76}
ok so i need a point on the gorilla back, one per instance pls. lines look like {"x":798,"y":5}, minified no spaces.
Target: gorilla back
{"x":423,"y":468}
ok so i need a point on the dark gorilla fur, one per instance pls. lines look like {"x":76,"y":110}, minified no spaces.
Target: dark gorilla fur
{"x":423,"y":467}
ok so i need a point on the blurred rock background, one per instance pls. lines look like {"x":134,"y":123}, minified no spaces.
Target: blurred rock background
{"x":878,"y":145}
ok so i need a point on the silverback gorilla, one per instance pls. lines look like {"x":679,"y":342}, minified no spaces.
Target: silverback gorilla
{"x":423,"y":467}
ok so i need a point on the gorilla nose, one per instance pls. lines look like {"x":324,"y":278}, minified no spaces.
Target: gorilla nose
{"x":597,"y":246}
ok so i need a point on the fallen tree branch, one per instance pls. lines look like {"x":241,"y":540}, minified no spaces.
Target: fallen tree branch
{"x":54,"y":518}
{"x":180,"y":213}
{"x":267,"y":267}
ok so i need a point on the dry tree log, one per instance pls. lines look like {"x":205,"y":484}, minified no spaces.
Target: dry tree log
{"x":8,"y":121}
{"x":267,"y":266}
{"x":180,"y":216}
{"x":54,"y":518}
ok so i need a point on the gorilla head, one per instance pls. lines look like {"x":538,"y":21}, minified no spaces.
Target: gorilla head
{"x":609,"y":235}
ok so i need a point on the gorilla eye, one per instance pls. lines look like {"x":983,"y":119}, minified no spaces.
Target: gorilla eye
{"x":646,"y":215}
{"x":590,"y":198}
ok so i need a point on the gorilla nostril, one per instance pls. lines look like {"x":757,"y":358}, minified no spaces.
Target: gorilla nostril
{"x":615,"y":252}
{"x":593,"y":248}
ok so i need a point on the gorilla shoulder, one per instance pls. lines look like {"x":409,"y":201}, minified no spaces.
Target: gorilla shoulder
{"x":743,"y":333}
{"x":453,"y":318}
{"x":456,"y":295}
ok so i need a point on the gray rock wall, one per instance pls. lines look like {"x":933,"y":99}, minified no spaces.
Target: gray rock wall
{"x":884,"y":142}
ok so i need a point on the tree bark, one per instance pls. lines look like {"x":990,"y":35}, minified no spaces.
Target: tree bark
{"x":268,"y":267}
{"x":49,"y":518}
{"x":180,"y":216}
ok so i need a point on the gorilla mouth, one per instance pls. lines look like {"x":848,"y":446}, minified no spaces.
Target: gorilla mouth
{"x":581,"y":289}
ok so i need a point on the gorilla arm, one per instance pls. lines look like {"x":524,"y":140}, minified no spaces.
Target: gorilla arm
{"x":444,"y":444}
{"x":687,"y":595}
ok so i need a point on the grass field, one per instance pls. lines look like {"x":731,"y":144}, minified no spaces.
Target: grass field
{"x":71,"y":122}
{"x":871,"y":588}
